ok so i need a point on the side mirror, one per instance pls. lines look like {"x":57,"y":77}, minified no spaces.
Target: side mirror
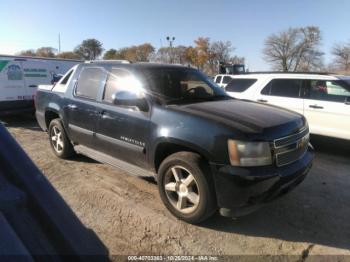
{"x":131,"y":99}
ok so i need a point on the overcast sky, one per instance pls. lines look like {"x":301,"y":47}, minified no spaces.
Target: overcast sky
{"x":29,"y":24}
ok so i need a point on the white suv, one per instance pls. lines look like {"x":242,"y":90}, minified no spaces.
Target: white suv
{"x":222,"y":80}
{"x":323,"y":99}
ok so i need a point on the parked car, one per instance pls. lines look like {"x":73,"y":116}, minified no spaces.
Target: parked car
{"x":222,"y":80}
{"x":20,"y":77}
{"x":323,"y":99}
{"x":205,"y":149}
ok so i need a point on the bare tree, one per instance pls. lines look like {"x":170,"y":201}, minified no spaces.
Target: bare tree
{"x":294,"y":49}
{"x":176,"y":54}
{"x":221,"y":50}
{"x":312,"y":61}
{"x":341,"y":52}
{"x":135,"y":53}
{"x":204,"y":55}
{"x":68,"y":55}
{"x":46,"y":52}
{"x":236,"y":60}
{"x":163,"y":55}
{"x":29,"y":52}
{"x":144,"y":52}
{"x":180,"y":55}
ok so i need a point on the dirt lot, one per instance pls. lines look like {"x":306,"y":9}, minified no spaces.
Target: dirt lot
{"x":127,"y":214}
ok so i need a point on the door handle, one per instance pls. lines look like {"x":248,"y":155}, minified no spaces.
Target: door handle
{"x":262,"y":100}
{"x":316,"y":106}
{"x":33,"y":86}
{"x":73,"y":107}
{"x":104,"y":115}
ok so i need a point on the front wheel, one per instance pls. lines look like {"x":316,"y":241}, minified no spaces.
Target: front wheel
{"x":59,"y":141}
{"x":186,"y":187}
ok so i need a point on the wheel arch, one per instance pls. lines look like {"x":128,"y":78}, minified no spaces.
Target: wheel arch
{"x":165,"y":148}
{"x":50,"y":114}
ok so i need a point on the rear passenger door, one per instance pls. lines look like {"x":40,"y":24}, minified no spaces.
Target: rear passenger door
{"x":327,"y":108}
{"x":81,"y":110}
{"x":123,"y":131}
{"x":285,"y":93}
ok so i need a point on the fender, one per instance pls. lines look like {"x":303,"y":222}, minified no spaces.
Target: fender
{"x":179,"y":142}
{"x":55,"y":108}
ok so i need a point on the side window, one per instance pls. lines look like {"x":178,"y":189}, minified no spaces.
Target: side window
{"x":334,"y":91}
{"x":283,"y":87}
{"x":65,"y":80}
{"x":226,"y":80}
{"x":218,"y":79}
{"x":119,"y":79}
{"x":239,"y":85}
{"x":61,"y":85}
{"x":89,"y":83}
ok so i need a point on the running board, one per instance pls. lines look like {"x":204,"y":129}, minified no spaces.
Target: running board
{"x":107,"y":159}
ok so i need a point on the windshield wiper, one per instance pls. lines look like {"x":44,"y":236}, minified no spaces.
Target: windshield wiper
{"x":219,"y":97}
{"x":198,"y":99}
{"x":186,"y":100}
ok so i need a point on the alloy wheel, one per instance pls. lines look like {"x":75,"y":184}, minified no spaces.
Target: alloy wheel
{"x":181,"y":189}
{"x":56,"y":139}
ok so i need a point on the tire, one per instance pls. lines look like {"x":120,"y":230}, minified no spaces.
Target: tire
{"x":191,"y":199}
{"x":59,"y":140}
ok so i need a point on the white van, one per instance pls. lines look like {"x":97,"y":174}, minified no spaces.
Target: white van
{"x":20,"y":76}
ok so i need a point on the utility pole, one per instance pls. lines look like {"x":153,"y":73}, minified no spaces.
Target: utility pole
{"x":59,"y":43}
{"x":171,"y":40}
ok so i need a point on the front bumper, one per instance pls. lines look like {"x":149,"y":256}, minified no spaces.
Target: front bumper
{"x":241,"y":190}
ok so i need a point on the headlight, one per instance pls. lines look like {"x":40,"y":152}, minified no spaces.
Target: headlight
{"x":249,"y":153}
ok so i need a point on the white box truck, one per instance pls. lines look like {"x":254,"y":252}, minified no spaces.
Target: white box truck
{"x":20,"y":77}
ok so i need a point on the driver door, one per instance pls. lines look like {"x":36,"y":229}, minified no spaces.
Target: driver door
{"x":122,"y":131}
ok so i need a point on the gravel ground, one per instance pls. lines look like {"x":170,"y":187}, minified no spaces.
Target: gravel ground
{"x":127,"y":214}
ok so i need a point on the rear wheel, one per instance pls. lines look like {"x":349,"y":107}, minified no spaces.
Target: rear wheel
{"x":185,"y":187}
{"x":59,"y":141}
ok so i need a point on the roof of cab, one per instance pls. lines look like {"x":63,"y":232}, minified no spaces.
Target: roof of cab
{"x":140,"y":65}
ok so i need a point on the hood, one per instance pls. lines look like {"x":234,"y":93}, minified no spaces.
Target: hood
{"x":248,"y":117}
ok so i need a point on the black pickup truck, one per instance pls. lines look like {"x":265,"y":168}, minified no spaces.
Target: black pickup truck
{"x":206,"y":150}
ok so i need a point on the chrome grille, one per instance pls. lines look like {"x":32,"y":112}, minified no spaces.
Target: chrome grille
{"x":284,"y":141}
{"x":291,"y":148}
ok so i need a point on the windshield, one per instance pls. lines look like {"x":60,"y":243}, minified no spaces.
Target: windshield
{"x":181,"y":85}
{"x":347,"y":80}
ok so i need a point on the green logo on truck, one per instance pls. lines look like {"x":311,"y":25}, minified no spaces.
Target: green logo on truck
{"x":3,"y":63}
